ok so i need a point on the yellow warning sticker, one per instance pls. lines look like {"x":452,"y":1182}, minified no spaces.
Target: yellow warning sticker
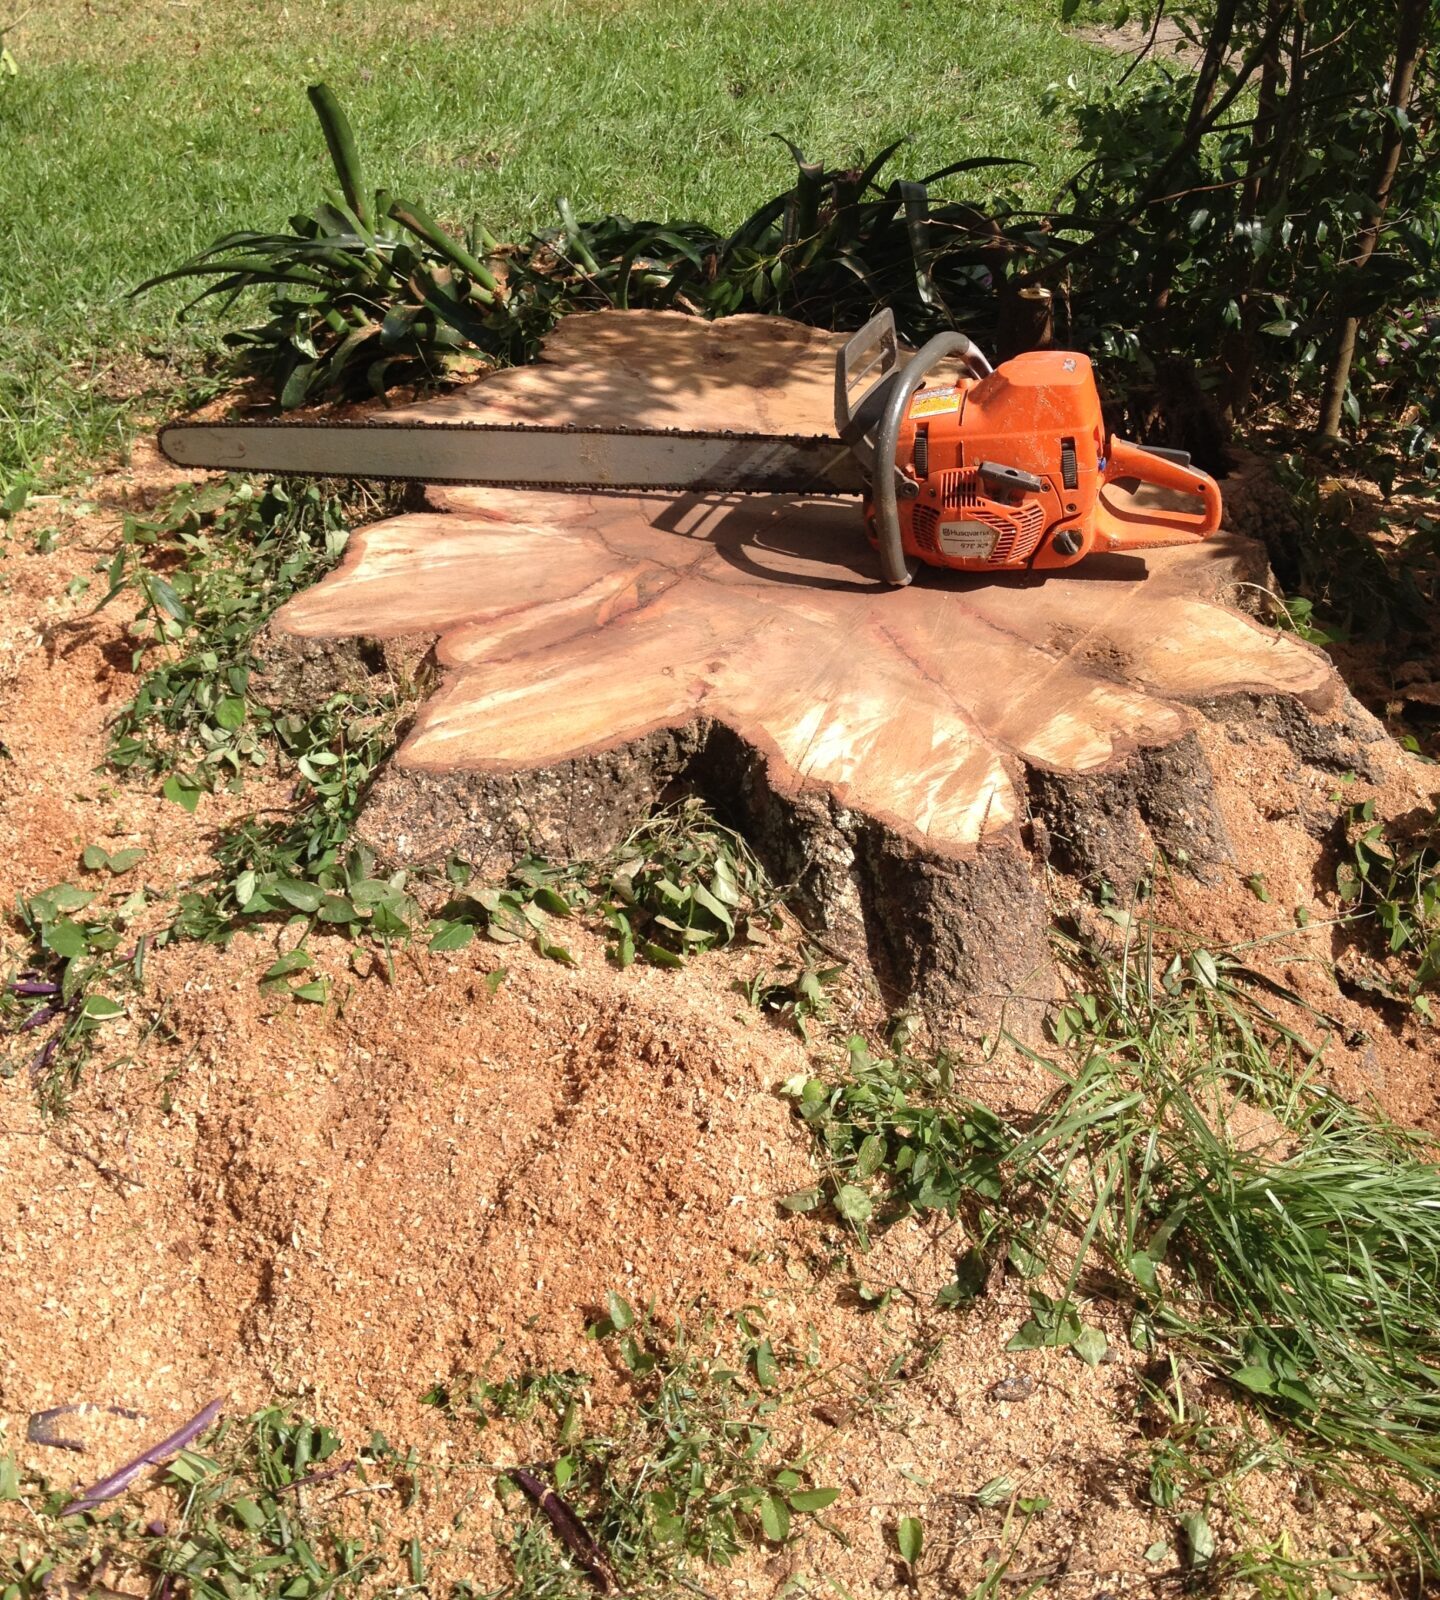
{"x":931,"y":402}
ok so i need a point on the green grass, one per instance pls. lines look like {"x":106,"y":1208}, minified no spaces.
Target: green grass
{"x":1189,"y":1171}
{"x":134,"y":139}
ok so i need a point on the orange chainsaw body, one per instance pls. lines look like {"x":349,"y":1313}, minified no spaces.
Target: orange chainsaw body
{"x":1015,"y":471}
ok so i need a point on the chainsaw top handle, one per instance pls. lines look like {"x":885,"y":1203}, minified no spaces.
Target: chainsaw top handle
{"x":1123,"y":529}
{"x":872,"y":427}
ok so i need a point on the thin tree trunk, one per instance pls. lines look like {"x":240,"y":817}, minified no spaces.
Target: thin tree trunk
{"x":1217,"y":47}
{"x":1027,"y":320}
{"x":1407,"y":50}
{"x":1267,"y":147}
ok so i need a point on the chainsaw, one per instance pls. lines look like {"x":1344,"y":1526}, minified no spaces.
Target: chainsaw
{"x":997,"y":469}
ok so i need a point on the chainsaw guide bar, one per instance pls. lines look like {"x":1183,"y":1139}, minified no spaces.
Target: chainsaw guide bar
{"x":522,"y":455}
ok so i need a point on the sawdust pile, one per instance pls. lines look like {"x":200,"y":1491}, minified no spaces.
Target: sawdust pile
{"x":433,"y":1176}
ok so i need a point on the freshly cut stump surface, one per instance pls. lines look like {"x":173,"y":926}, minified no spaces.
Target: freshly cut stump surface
{"x":906,"y":758}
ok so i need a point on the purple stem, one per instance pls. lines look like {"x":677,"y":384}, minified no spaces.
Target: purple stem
{"x":123,"y":1477}
{"x":38,"y":1019}
{"x":573,"y":1533}
{"x":28,"y":988}
{"x":318,"y":1477}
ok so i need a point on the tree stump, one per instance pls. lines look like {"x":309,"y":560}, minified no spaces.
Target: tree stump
{"x":905,"y":758}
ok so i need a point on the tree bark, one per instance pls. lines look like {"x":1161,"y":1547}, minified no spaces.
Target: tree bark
{"x":1264,"y":148}
{"x":1407,"y":52}
{"x":1027,"y":320}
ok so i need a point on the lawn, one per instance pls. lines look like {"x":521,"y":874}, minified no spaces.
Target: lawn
{"x":135,"y":138}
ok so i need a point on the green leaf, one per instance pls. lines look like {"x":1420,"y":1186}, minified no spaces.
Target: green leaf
{"x":296,"y":960}
{"x":639,"y":1361}
{"x":1199,"y":1540}
{"x":9,"y":1479}
{"x":853,"y":1203}
{"x":813,"y":1499}
{"x":415,"y":219}
{"x":296,"y":892}
{"x":1202,"y":964}
{"x":181,"y":792}
{"x":230,"y":713}
{"x":65,"y":938}
{"x":164,"y":595}
{"x":620,"y":1311}
{"x":314,"y":993}
{"x":803,"y":1199}
{"x":336,"y":908}
{"x":63,"y":897}
{"x":1090,"y":1346}
{"x":870,"y":1156}
{"x":996,"y":1492}
{"x":451,"y":935}
{"x":910,"y":1539}
{"x":1142,"y":1266}
{"x":1142,"y":1332}
{"x":775,"y":1518}
{"x":1025,"y":1261}
{"x":92,"y":858}
{"x":101,"y":1007}
{"x":248,"y":1512}
{"x":767,"y":1371}
{"x":340,"y":141}
{"x":553,"y":901}
{"x":1164,"y":1488}
{"x":122,"y":860}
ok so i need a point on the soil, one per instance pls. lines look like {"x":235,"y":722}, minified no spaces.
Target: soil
{"x":424,"y":1179}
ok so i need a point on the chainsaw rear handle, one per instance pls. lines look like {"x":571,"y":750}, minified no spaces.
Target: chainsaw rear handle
{"x":875,"y":438}
{"x":1120,"y":530}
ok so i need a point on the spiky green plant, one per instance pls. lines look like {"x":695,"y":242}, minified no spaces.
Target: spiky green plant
{"x":368,"y":291}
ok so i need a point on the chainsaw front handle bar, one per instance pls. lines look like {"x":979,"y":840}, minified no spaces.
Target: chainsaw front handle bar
{"x":872,"y":426}
{"x":1121,"y":529}
{"x":887,"y":487}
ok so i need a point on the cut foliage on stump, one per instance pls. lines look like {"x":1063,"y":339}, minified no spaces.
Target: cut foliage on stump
{"x":887,"y":750}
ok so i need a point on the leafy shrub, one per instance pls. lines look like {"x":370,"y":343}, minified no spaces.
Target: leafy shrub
{"x":1393,"y":875}
{"x":61,"y":970}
